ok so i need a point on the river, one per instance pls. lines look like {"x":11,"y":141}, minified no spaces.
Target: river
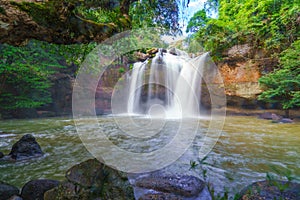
{"x":246,"y":151}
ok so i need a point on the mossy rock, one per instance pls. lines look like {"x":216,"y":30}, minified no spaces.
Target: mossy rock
{"x":274,"y":189}
{"x":90,"y":180}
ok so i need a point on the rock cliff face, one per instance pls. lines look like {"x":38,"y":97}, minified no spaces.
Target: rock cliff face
{"x":241,"y":79}
{"x":105,"y":89}
{"x":241,"y":82}
{"x":241,"y":69}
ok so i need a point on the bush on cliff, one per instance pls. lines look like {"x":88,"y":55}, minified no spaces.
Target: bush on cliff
{"x":283,"y":84}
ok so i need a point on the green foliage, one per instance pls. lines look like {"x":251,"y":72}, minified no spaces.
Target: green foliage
{"x":121,"y":70}
{"x":273,"y":182}
{"x":197,"y":21}
{"x":103,"y":16}
{"x":271,"y":25}
{"x":73,"y":54}
{"x":211,"y":5}
{"x":157,"y":13}
{"x":284,"y":173}
{"x":98,"y":15}
{"x":2,"y":11}
{"x":224,"y":196}
{"x":193,"y":164}
{"x":24,"y":76}
{"x":25,"y":71}
{"x":82,"y":21}
{"x":283,"y":85}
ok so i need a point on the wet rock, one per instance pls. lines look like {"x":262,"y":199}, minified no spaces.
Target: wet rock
{"x":266,"y":115}
{"x":271,"y":190}
{"x":183,"y":185}
{"x":51,"y":194}
{"x":15,"y":197}
{"x":92,"y":179}
{"x":61,"y":92}
{"x":160,"y":196}
{"x":7,"y":191}
{"x":152,"y":51}
{"x":141,"y":56}
{"x":1,"y":155}
{"x":66,"y":190}
{"x":286,"y":120}
{"x":35,"y":189}
{"x":26,"y":147}
{"x":173,"y":51}
{"x":276,"y":118}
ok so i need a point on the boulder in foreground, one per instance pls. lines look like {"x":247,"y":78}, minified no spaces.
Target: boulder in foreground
{"x":35,"y":189}
{"x":162,"y":186}
{"x":271,"y":190}
{"x":7,"y":191}
{"x":91,"y":180}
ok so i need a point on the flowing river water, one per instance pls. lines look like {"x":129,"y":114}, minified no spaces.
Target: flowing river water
{"x":246,"y":151}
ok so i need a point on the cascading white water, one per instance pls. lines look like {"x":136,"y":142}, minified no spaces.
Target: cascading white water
{"x":172,"y":82}
{"x":136,"y":83}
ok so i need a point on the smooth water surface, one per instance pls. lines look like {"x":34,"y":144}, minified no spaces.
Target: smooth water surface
{"x":247,"y":149}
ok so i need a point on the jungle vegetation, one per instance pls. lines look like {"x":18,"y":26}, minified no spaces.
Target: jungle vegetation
{"x":271,"y":26}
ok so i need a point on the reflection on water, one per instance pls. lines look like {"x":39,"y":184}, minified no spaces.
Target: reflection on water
{"x":247,"y":149}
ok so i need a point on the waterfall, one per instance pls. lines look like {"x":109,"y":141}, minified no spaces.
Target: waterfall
{"x":172,"y":82}
{"x":136,"y":87}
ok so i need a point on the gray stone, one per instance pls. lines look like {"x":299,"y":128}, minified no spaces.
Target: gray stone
{"x":286,"y":120}
{"x":87,"y":173}
{"x":15,"y":197}
{"x":25,"y":148}
{"x":266,"y":115}
{"x":276,"y":118}
{"x":1,"y":155}
{"x":160,"y":196}
{"x":7,"y":191}
{"x":183,"y":185}
{"x":271,"y":190}
{"x":51,"y":194}
{"x":35,"y":189}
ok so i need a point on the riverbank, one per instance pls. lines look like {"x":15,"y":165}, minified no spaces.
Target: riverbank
{"x":230,"y":111}
{"x":234,"y":111}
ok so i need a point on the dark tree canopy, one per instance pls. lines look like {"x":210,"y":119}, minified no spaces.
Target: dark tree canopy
{"x":73,"y":21}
